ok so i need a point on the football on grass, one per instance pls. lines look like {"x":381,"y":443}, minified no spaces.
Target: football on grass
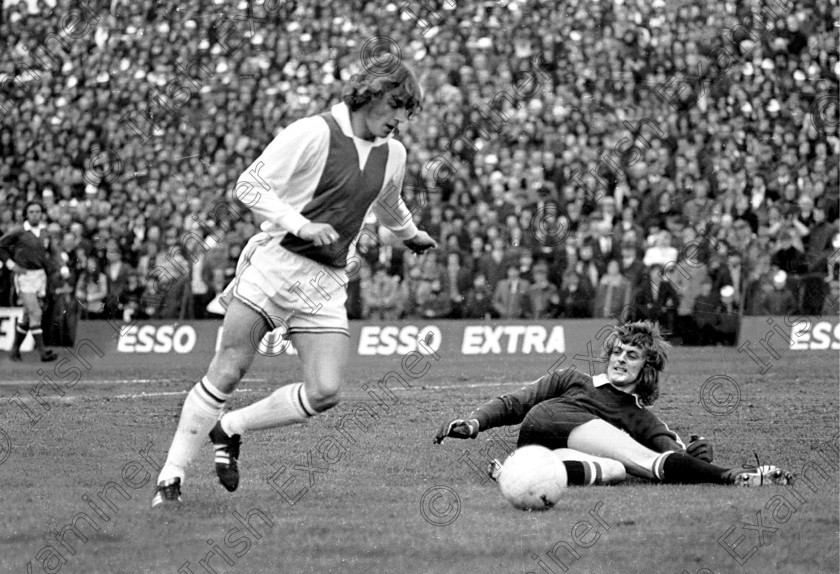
{"x":533,"y":478}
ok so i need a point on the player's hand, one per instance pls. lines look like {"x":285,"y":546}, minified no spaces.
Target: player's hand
{"x":458,"y":428}
{"x":421,"y":242}
{"x":700,"y":448}
{"x":318,"y":233}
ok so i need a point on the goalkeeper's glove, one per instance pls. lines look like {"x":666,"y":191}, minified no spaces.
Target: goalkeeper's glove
{"x":700,"y":448}
{"x":458,"y":428}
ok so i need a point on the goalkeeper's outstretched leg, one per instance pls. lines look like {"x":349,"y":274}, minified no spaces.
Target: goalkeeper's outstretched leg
{"x":600,"y":438}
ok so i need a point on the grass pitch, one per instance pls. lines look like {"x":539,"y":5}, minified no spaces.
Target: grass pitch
{"x":371,"y":493}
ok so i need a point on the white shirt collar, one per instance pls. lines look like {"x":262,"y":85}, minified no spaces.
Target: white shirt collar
{"x":36,"y":231}
{"x":341,"y":113}
{"x":601,"y":380}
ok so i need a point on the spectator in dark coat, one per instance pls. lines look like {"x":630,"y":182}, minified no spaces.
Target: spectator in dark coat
{"x":656,"y":300}
{"x":544,"y":296}
{"x":456,"y":280}
{"x":707,"y":308}
{"x":510,"y":298}
{"x":778,"y":299}
{"x":612,"y":299}
{"x":631,"y":266}
{"x":117,"y":272}
{"x":728,"y":319}
{"x":787,"y":257}
{"x":492,"y":265}
{"x":575,"y":296}
{"x":479,"y":300}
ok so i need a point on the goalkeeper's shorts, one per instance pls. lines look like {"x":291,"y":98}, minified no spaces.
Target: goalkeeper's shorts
{"x":550,"y":423}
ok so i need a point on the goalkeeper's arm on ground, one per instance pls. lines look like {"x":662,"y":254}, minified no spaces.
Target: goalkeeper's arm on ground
{"x":508,"y":409}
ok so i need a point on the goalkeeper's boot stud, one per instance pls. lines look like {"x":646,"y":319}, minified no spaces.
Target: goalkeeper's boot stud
{"x":762,"y":475}
{"x":494,"y":469}
{"x":167,"y":493}
{"x":227,"y":456}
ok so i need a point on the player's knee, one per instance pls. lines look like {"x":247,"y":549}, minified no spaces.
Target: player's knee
{"x":324,"y":399}
{"x":323,"y":392}
{"x":227,"y":370}
{"x":229,"y":379}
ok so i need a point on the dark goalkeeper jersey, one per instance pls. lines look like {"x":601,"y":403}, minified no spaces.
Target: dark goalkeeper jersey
{"x":26,"y":249}
{"x":592,"y":395}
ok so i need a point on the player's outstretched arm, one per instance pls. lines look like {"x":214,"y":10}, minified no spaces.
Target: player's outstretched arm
{"x":457,"y":428}
{"x":508,"y":409}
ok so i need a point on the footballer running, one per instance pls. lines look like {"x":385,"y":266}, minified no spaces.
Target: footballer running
{"x":312,"y":188}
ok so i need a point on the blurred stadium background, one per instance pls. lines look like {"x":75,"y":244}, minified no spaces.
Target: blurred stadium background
{"x":612,"y":137}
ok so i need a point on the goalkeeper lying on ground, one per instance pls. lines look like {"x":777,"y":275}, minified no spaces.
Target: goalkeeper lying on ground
{"x":606,"y":416}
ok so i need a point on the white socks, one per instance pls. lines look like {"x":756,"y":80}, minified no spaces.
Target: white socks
{"x":201,"y":410}
{"x":287,"y":405}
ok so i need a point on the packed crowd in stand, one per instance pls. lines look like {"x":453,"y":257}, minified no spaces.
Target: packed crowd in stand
{"x":573,"y":159}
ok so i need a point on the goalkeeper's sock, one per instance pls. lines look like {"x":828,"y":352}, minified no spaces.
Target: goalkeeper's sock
{"x":680,"y":468}
{"x":583,"y":472}
{"x":201,"y":410}
{"x":285,"y":406}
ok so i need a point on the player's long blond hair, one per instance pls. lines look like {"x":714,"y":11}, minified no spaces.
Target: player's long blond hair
{"x":646,"y":336}
{"x":372,"y":82}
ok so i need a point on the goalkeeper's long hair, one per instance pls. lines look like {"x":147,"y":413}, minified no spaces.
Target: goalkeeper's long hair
{"x":646,"y":336}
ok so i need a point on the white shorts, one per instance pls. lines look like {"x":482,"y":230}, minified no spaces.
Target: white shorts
{"x":32,"y":281}
{"x":287,"y":289}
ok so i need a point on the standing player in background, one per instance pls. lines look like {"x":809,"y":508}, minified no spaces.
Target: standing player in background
{"x":313,"y":186}
{"x":607,"y":416}
{"x":29,"y":253}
